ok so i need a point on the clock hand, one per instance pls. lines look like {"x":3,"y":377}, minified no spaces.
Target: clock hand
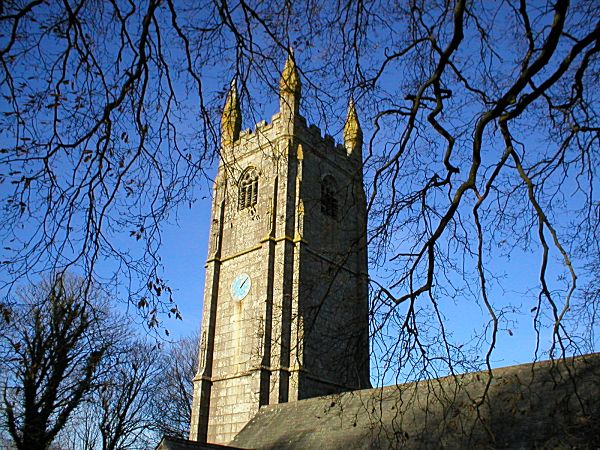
{"x":243,"y":283}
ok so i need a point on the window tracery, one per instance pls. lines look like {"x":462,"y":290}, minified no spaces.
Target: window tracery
{"x":329,"y":202}
{"x":248,"y":189}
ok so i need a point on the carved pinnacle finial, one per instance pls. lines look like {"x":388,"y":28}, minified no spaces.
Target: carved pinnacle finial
{"x":353,"y":137}
{"x":290,"y":86}
{"x":290,"y":81}
{"x":231,"y":120}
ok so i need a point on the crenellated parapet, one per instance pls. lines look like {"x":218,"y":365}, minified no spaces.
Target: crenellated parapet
{"x":288,"y":122}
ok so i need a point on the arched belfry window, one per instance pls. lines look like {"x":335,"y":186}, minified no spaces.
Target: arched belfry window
{"x":248,"y":186}
{"x":329,"y":202}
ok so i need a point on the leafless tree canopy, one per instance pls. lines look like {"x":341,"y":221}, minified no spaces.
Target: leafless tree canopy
{"x":145,"y":394}
{"x":74,"y":374}
{"x":483,"y":127}
{"x":52,"y":351}
{"x":115,"y":414}
{"x":486,"y":148}
{"x":171,"y":402}
{"x":94,"y":156}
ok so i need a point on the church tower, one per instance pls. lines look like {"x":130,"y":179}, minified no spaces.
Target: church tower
{"x":286,"y":297}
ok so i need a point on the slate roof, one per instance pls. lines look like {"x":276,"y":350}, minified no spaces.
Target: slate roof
{"x":550,"y":404}
{"x":173,"y":443}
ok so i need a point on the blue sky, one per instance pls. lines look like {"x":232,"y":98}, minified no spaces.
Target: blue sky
{"x":184,"y":255}
{"x":184,"y":239}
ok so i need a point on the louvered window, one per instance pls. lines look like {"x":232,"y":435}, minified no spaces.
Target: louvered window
{"x":248,"y":193}
{"x":329,"y":202}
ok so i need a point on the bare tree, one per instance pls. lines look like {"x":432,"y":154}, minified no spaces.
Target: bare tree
{"x":483,"y":126}
{"x":171,"y":402}
{"x":52,"y":354}
{"x":93,"y":145}
{"x":487,"y":148}
{"x":116,"y":414}
{"x":121,"y":401}
{"x":146,"y":392}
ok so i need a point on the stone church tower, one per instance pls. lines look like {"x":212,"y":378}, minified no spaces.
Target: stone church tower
{"x":285,"y":301}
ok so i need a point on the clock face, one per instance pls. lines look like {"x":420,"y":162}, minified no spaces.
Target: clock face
{"x":240,"y":286}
